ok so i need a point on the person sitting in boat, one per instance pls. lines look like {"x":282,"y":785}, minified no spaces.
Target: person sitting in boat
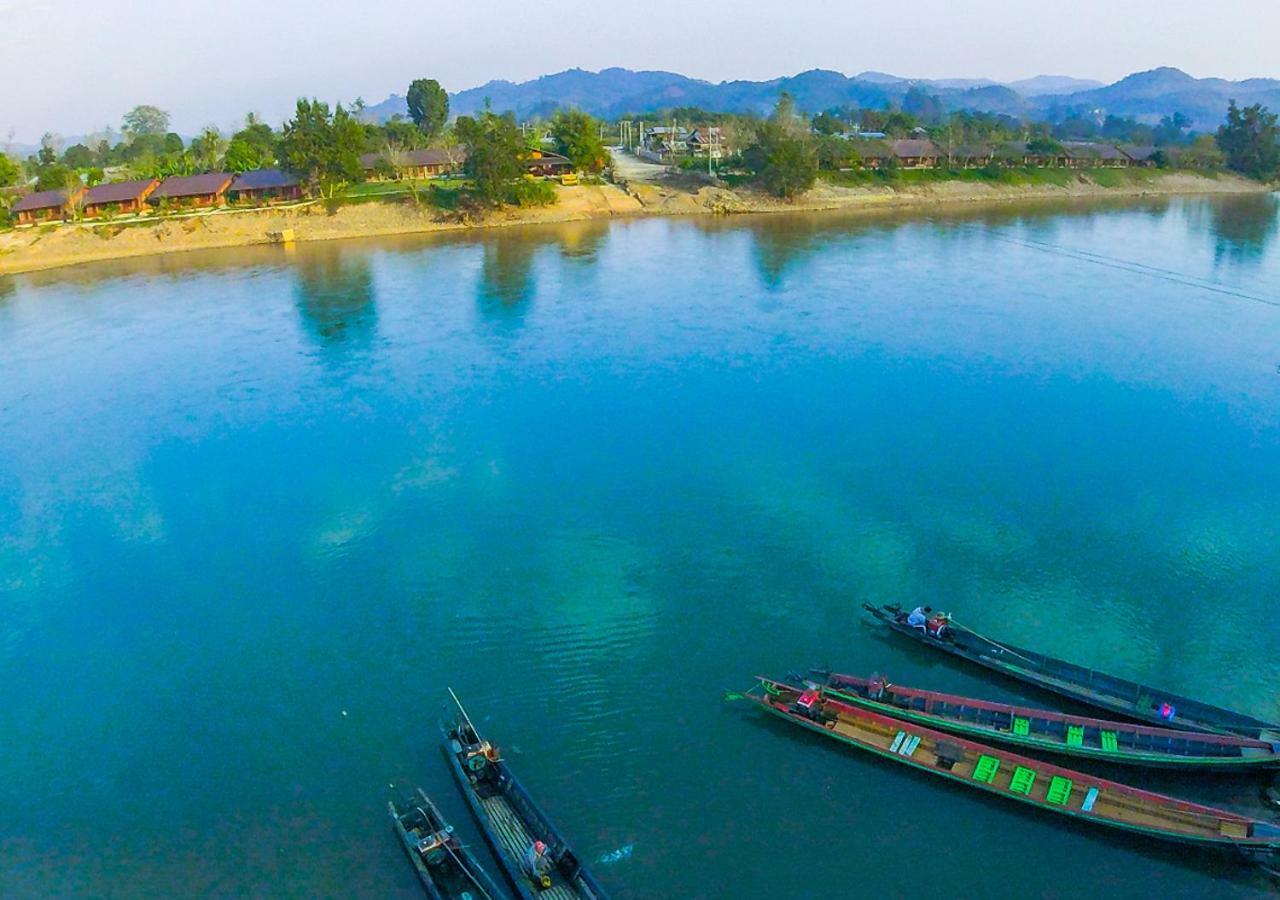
{"x":936,"y":625}
{"x":919,"y":617}
{"x":537,"y":863}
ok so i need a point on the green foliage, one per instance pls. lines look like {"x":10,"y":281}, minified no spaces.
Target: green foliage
{"x":428,"y":106}
{"x":1043,"y":145}
{"x":78,"y":156}
{"x":827,"y":123}
{"x":577,"y":136}
{"x":53,"y":177}
{"x":1202,"y":154}
{"x":10,"y":171}
{"x":835,"y":153}
{"x":400,"y":133}
{"x":145,"y":120}
{"x":322,"y":147}
{"x":782,"y":154}
{"x":527,"y":192}
{"x":1250,"y":141}
{"x":252,"y":147}
{"x":494,"y":153}
{"x":208,"y":148}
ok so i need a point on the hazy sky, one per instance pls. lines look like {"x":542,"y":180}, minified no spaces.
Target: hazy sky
{"x":72,"y":66}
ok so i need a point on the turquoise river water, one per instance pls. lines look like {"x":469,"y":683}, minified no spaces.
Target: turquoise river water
{"x":259,"y":507}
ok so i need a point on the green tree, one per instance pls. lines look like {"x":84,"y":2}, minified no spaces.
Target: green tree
{"x":782,"y":153}
{"x":494,"y":155}
{"x":322,"y":147}
{"x":208,"y":147}
{"x":10,"y":171}
{"x":577,"y":136}
{"x":428,"y":106}
{"x":1203,"y":153}
{"x":145,"y":120}
{"x":1250,"y":141}
{"x":827,"y":123}
{"x":1043,"y":145}
{"x":54,"y":177}
{"x":835,"y":153}
{"x":252,"y":147}
{"x":78,"y":156}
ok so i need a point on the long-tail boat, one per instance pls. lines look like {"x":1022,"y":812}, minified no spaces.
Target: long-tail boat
{"x":1007,"y":774}
{"x":1052,"y":732}
{"x":512,"y":823}
{"x":1099,"y":689}
{"x":445,"y":866}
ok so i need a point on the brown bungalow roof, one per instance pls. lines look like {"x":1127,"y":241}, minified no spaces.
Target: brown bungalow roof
{"x":41,"y":200}
{"x":869,"y":148}
{"x":1138,"y":154}
{"x":263,"y":180}
{"x":972,"y":151}
{"x":118,"y":192}
{"x":914,"y":148}
{"x":1091,"y":150}
{"x":193,"y":185}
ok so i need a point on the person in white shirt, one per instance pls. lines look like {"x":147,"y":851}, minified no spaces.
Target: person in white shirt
{"x":919,"y":617}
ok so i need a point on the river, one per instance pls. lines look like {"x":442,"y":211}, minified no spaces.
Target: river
{"x":259,"y":507}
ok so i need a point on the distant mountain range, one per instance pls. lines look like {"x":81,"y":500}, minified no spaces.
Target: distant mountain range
{"x":609,"y":93}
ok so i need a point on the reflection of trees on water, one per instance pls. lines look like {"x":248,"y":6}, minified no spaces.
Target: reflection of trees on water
{"x":8,"y":287}
{"x":335,"y":298}
{"x":508,"y":280}
{"x":1243,"y":226}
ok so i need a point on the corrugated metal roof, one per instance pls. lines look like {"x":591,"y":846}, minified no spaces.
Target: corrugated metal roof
{"x":118,"y":192}
{"x":41,"y":200}
{"x":192,"y":185}
{"x":263,"y":180}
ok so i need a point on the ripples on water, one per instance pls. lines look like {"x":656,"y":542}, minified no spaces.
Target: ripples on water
{"x":260,"y":508}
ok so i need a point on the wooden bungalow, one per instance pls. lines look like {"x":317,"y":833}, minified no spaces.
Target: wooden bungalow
{"x":194,"y":190}
{"x":1086,"y":154}
{"x":703,"y":140}
{"x":546,"y":164}
{"x":872,"y":153}
{"x":415,"y":164}
{"x":972,"y":156}
{"x":119,"y":197}
{"x":264,"y":185}
{"x":45,"y":206}
{"x":916,"y":153}
{"x":1144,"y":156}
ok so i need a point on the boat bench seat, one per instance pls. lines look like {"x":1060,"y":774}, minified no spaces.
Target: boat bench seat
{"x":1059,"y":790}
{"x":1109,"y":741}
{"x":1022,"y":780}
{"x":1075,"y":735}
{"x":1021,"y":726}
{"x":985,"y":769}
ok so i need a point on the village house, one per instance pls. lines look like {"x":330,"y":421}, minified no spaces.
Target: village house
{"x":415,"y":164}
{"x":1086,"y":154}
{"x":703,"y":140}
{"x":972,"y":156}
{"x":872,"y":153}
{"x":118,"y":197}
{"x":662,"y":143}
{"x":193,"y":190}
{"x":264,"y":185}
{"x":547,"y":164}
{"x":916,"y":153}
{"x":45,"y":206}
{"x":1143,"y":156}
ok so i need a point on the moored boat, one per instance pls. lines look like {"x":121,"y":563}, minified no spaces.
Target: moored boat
{"x":1052,"y":732}
{"x":1109,"y":692}
{"x":445,"y":866}
{"x":1004,"y":773}
{"x":511,"y":821}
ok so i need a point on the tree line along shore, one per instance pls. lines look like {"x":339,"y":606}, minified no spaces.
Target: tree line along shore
{"x":470,"y":167}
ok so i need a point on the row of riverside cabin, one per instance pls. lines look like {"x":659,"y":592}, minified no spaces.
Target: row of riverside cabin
{"x":921,"y":153}
{"x":133,"y":196}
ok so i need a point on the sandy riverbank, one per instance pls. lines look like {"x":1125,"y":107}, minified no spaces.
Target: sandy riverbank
{"x":32,"y":249}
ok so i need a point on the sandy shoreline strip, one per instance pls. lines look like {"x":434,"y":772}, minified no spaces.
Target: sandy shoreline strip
{"x":34,"y":249}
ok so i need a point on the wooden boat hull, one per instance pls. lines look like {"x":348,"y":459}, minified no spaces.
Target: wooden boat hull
{"x":1029,"y":781}
{"x":510,"y":821}
{"x":1054,"y":732}
{"x":453,"y":872}
{"x":1129,"y":698}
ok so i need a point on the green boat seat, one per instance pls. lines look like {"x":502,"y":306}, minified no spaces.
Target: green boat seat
{"x":985,"y":769}
{"x":1075,"y":735}
{"x":1021,"y":726}
{"x":1059,"y":790}
{"x":1022,"y":780}
{"x":1109,"y":741}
